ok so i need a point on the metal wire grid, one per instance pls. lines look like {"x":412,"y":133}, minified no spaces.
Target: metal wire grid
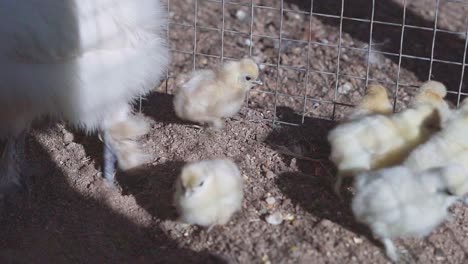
{"x":342,"y":19}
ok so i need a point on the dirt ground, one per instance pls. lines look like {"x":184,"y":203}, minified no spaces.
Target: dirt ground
{"x":70,"y":217}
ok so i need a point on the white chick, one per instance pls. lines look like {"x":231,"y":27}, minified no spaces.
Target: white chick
{"x":209,"y":96}
{"x":450,"y":145}
{"x":397,"y":202}
{"x":374,"y":141}
{"x":209,"y":192}
{"x":81,"y":61}
{"x":447,"y":146}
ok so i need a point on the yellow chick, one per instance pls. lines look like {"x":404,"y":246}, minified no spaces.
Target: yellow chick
{"x":209,"y":192}
{"x":380,"y":140}
{"x":374,"y":102}
{"x":398,"y":202}
{"x":209,"y":96}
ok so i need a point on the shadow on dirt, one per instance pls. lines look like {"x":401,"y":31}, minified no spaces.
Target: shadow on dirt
{"x":416,"y":42}
{"x":311,"y":186}
{"x":59,"y":225}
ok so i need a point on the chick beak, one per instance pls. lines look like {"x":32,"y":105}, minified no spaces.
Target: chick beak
{"x":257,"y":82}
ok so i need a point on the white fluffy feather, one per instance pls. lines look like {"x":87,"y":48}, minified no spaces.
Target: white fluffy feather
{"x":80,"y":60}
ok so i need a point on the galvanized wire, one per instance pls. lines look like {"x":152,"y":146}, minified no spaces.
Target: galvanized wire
{"x":338,"y":74}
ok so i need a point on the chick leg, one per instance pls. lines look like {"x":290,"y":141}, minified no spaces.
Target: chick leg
{"x":12,"y":163}
{"x":217,"y":123}
{"x":390,"y":249}
{"x":338,"y":183}
{"x":210,"y":228}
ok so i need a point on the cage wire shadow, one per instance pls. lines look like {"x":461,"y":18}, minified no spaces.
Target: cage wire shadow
{"x":307,"y":8}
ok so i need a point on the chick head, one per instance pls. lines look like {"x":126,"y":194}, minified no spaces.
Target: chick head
{"x":376,"y":100}
{"x":248,"y":73}
{"x":432,"y":92}
{"x":193,"y":180}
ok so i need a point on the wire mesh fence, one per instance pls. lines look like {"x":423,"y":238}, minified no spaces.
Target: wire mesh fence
{"x":317,"y":57}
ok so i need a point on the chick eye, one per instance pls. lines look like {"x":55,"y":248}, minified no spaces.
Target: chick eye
{"x":201,"y":184}
{"x":248,"y":78}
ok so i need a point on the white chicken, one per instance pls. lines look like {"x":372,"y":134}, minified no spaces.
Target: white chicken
{"x":376,"y":139}
{"x":82,"y":61}
{"x":397,"y":202}
{"x":209,"y":192}
{"x":211,"y":95}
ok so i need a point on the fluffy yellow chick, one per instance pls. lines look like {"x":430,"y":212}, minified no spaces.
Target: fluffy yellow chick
{"x":209,"y":192}
{"x":209,"y":96}
{"x":375,"y":141}
{"x":398,"y":202}
{"x":374,"y":102}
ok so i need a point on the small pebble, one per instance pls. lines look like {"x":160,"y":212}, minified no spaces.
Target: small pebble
{"x":248,"y":42}
{"x":241,"y":15}
{"x":271,"y":200}
{"x":270,"y":175}
{"x":289,"y":217}
{"x":266,"y":259}
{"x":326,"y":223}
{"x":274,"y":219}
{"x":345,"y":88}
{"x":439,"y":254}
{"x":68,"y":137}
{"x":357,"y":240}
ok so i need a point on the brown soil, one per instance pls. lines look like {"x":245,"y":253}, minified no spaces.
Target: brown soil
{"x":70,"y":217}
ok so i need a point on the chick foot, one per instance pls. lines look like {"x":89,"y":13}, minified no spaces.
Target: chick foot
{"x":390,"y":250}
{"x":404,"y":257}
{"x":337,"y":186}
{"x":217,"y":124}
{"x":195,"y":126}
{"x":396,"y":255}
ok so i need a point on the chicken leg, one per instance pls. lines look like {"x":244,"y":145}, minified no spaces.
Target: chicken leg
{"x":12,"y":165}
{"x":110,"y":160}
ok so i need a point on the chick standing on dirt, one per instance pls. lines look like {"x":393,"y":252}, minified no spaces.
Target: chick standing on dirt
{"x":397,"y":202}
{"x":377,"y":140}
{"x":209,"y":192}
{"x":210,"y":95}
